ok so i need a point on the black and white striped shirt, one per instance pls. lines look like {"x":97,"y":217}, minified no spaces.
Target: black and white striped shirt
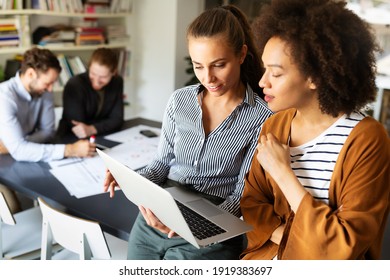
{"x":313,"y":162}
{"x":214,"y":164}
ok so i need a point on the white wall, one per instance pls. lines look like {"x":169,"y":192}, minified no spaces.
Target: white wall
{"x":159,"y":48}
{"x":186,"y":12}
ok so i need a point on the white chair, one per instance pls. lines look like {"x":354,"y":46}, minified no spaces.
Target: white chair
{"x":20,"y":234}
{"x":81,"y":238}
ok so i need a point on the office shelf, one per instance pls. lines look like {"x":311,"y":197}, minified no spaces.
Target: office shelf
{"x":28,"y":20}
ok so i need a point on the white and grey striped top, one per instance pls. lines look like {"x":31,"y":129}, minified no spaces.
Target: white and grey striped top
{"x":216,"y":163}
{"x":313,"y":162}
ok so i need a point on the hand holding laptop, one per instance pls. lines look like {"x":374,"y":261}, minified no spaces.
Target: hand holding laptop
{"x":192,"y":217}
{"x":150,"y":218}
{"x":155,"y":223}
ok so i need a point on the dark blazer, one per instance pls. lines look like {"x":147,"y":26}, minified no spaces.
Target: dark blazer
{"x":80,"y":102}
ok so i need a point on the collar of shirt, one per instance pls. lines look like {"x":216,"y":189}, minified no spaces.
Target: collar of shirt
{"x":20,"y":90}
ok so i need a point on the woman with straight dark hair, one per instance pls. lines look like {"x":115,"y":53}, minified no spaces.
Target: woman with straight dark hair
{"x":209,"y":134}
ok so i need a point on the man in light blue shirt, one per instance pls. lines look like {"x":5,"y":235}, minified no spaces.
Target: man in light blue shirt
{"x":27,"y":120}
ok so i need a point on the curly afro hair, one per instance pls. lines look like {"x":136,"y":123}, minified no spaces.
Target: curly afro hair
{"x":330,"y":44}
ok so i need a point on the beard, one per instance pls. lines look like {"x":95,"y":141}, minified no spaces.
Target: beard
{"x":34,"y":92}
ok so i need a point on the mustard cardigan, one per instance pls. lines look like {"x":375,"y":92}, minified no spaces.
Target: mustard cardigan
{"x":360,"y":184}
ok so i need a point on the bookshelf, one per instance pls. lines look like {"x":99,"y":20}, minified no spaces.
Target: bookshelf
{"x":29,"y":19}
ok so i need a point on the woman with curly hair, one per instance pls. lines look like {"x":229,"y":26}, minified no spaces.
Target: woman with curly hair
{"x":318,"y":187}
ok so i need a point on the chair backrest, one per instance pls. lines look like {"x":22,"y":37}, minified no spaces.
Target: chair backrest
{"x":5,"y":213}
{"x":80,"y":236}
{"x":20,"y":233}
{"x":6,"y":217}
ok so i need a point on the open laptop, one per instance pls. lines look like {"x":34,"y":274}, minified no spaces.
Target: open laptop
{"x":171,"y":207}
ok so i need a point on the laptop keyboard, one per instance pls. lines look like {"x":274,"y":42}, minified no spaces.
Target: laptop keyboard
{"x":200,"y":227}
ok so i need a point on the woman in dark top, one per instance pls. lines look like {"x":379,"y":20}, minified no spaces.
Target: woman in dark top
{"x":93,"y":101}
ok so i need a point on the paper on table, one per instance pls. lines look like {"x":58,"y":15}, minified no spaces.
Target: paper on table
{"x":64,"y":162}
{"x":133,"y":134}
{"x":85,"y":177}
{"x":82,"y":178}
{"x":135,"y":155}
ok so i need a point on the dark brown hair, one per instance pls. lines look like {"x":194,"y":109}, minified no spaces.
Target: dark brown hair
{"x":106,"y":57}
{"x":330,"y":44}
{"x":231,"y":22}
{"x":41,"y":60}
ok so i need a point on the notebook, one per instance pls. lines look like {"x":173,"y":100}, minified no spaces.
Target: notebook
{"x":177,"y":208}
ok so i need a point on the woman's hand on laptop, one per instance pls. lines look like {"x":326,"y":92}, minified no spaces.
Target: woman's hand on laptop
{"x":155,"y":223}
{"x":109,"y":183}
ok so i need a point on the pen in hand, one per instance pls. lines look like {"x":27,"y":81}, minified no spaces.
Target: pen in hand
{"x":92,"y":140}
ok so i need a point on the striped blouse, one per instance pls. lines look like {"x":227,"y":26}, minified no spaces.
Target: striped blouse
{"x":216,"y":163}
{"x":313,"y":162}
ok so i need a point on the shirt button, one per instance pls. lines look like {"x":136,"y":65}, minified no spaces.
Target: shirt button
{"x":195,"y":163}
